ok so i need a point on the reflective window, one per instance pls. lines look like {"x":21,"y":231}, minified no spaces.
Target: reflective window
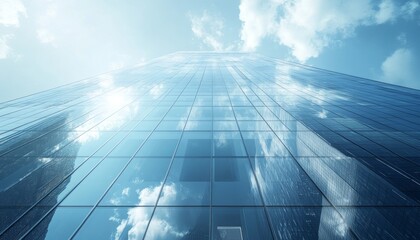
{"x":91,"y":189}
{"x":160,"y":144}
{"x":283,"y":182}
{"x":61,"y":223}
{"x":139,"y":184}
{"x":309,"y":223}
{"x":234,"y":183}
{"x":239,"y":223}
{"x":116,"y":223}
{"x":227,"y":144}
{"x":179,"y":223}
{"x":188,"y":182}
{"x":195,"y":144}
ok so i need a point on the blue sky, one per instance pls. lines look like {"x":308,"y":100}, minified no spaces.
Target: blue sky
{"x":47,"y":43}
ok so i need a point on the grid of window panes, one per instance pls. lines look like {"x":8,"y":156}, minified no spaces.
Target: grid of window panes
{"x":212,"y":146}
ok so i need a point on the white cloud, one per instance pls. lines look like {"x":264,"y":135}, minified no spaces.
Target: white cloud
{"x":402,"y":38}
{"x":5,"y":49}
{"x":257,"y":21}
{"x":45,"y":36}
{"x":387,"y":11}
{"x":306,"y":27}
{"x":10,"y":11}
{"x":409,"y":9}
{"x":399,"y":68}
{"x":208,"y":29}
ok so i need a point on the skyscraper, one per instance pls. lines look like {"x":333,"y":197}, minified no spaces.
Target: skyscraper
{"x":197,"y":145}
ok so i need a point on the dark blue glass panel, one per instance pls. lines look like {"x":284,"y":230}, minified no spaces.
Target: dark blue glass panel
{"x":239,"y":223}
{"x":234,"y":183}
{"x":308,"y":223}
{"x":188,"y":182}
{"x":197,"y":144}
{"x":283,"y":182}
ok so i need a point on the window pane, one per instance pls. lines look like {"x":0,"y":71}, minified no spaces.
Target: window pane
{"x":116,"y":223}
{"x":234,"y":183}
{"x":139,"y":184}
{"x":239,"y":223}
{"x":160,"y":144}
{"x":179,"y":223}
{"x":195,"y":144}
{"x":188,"y":182}
{"x":228,"y":144}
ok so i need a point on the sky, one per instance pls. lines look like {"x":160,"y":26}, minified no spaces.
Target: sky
{"x":48,"y":43}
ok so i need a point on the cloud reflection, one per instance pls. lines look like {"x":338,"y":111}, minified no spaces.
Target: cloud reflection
{"x":138,"y":217}
{"x":106,"y":100}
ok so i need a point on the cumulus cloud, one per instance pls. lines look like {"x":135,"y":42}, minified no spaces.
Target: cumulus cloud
{"x":409,"y":9}
{"x":306,"y":27}
{"x":208,"y":29}
{"x":10,"y":11}
{"x":399,"y":68}
{"x":258,"y":20}
{"x":45,"y":36}
{"x":5,"y":49}
{"x":386,"y":12}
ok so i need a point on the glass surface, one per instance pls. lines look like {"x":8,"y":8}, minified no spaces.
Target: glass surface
{"x":283,"y":182}
{"x":195,"y":144}
{"x":179,"y":223}
{"x":159,"y":144}
{"x":139,"y":184}
{"x":264,"y":144}
{"x":228,"y":144}
{"x":199,"y":126}
{"x":225,"y":126}
{"x":234,"y":183}
{"x":59,"y":224}
{"x":91,"y":189}
{"x":188,"y":182}
{"x":308,"y":223}
{"x":116,"y":223}
{"x":219,"y":143}
{"x":239,"y":223}
{"x":129,"y":145}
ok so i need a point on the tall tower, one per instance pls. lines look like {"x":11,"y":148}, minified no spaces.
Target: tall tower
{"x":203,"y":145}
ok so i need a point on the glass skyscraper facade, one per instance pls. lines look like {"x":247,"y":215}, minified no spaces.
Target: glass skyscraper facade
{"x":212,"y":146}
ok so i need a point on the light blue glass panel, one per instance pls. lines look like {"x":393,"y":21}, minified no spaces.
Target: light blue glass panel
{"x":116,"y":223}
{"x":179,"y":223}
{"x":225,"y":126}
{"x":94,"y":185}
{"x":129,"y":145}
{"x":139,"y":184}
{"x":264,"y":144}
{"x":197,"y":144}
{"x":59,"y":224}
{"x":228,"y":144}
{"x":160,"y":144}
